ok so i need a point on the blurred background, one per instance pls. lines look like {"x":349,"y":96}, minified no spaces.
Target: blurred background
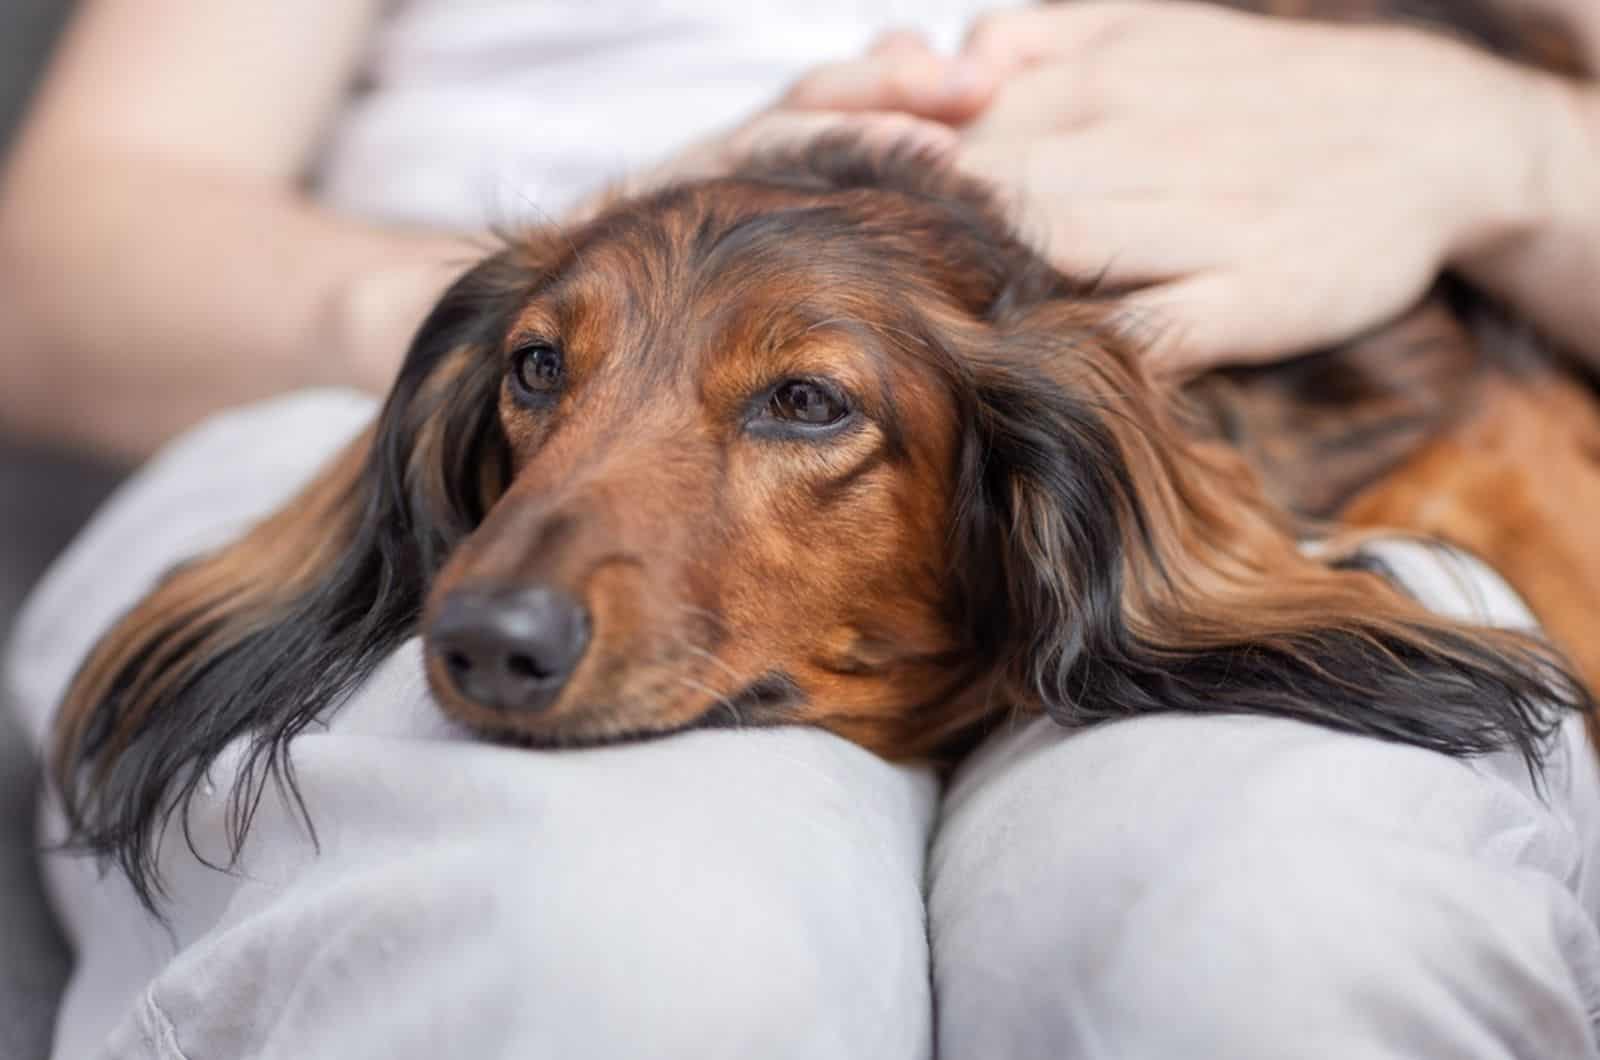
{"x":45,"y":495}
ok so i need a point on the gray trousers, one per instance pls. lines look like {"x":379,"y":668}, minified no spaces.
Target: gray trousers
{"x":1164,"y":887}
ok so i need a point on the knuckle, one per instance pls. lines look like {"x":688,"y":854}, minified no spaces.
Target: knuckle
{"x":745,"y":140}
{"x":809,"y":88}
{"x":900,"y":81}
{"x":798,"y":95}
{"x":991,"y":31}
{"x":897,"y":41}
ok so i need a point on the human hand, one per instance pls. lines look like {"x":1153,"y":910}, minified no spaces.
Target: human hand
{"x":1264,"y":186}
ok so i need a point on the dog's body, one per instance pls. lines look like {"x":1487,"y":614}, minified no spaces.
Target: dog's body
{"x":1453,"y":422}
{"x":1464,"y":433}
{"x":824,"y":443}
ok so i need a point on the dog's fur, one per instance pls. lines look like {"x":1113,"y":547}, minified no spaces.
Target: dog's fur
{"x":1010,"y":517}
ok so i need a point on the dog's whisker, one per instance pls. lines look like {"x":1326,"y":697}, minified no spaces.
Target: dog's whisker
{"x":719,"y":698}
{"x":696,"y":650}
{"x":685,"y":644}
{"x":715,"y":626}
{"x":696,"y":611}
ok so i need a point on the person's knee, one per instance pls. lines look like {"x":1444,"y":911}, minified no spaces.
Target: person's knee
{"x":1266,"y":943}
{"x":1223,"y":887}
{"x":593,"y":945}
{"x":1376,"y":946}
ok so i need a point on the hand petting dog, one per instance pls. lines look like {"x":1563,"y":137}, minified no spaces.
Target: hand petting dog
{"x":1259,"y":186}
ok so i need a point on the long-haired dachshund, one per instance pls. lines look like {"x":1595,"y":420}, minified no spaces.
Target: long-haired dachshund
{"x":824,"y":443}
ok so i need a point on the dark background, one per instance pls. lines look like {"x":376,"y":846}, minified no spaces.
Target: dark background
{"x":44,"y":497}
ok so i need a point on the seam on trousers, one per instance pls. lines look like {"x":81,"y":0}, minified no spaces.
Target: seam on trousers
{"x":159,"y":1028}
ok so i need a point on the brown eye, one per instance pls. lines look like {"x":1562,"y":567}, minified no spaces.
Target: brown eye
{"x":806,"y":402}
{"x":537,"y":368}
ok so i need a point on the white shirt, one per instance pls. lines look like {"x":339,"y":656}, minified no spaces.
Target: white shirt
{"x":483,"y":112}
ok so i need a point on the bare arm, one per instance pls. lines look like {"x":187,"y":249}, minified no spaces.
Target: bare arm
{"x":1549,"y":265}
{"x":158,"y":255}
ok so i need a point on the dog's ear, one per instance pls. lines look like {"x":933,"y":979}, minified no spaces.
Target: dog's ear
{"x":1115,"y":567}
{"x":253,"y":642}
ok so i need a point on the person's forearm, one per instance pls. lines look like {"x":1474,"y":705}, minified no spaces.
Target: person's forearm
{"x":135,"y":304}
{"x":1548,"y":266}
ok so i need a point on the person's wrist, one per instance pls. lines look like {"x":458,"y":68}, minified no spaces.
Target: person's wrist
{"x":373,"y":314}
{"x":1545,"y":172}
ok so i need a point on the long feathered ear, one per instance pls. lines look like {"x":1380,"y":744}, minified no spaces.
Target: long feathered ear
{"x":255,"y":641}
{"x":1140,"y":571}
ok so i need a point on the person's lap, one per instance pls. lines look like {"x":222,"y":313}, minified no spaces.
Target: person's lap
{"x":1232,"y":886}
{"x":1243,"y":887}
{"x":45,"y":496}
{"x":722,"y":893}
{"x":1167,"y":886}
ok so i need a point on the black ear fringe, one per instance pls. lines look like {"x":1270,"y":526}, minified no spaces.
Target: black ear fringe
{"x":265,"y":690}
{"x":1046,"y":489}
{"x":1443,"y":690}
{"x":291,"y":662}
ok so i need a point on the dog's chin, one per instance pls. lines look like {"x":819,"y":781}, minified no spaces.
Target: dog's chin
{"x":601,"y":729}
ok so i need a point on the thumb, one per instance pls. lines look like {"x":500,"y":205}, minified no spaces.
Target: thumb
{"x":1200,"y":322}
{"x":898,"y":78}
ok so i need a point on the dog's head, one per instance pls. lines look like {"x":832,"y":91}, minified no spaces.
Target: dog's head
{"x":821,"y":443}
{"x":730,"y":423}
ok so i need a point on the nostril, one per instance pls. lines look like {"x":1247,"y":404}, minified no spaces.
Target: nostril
{"x":508,"y":650}
{"x":525,"y":666}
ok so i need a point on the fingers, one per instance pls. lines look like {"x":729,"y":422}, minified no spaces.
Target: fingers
{"x":1107,"y":206}
{"x":1123,"y":246}
{"x":1188,"y":326}
{"x":781,"y":129}
{"x":1306,"y":288}
{"x":773,"y":131}
{"x":900,"y":73}
{"x":1011,"y":39}
{"x":899,"y":43}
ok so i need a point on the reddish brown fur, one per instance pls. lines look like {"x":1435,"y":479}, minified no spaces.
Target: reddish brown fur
{"x":1516,"y":482}
{"x":1455,"y":429}
{"x":643,"y":501}
{"x":676,"y":532}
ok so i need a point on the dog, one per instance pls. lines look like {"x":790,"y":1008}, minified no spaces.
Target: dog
{"x":819,"y":443}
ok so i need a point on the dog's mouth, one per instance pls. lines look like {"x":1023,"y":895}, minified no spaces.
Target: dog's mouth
{"x":716,"y":717}
{"x":772,"y":699}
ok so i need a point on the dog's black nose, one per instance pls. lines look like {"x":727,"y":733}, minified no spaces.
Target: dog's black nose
{"x":510,"y":649}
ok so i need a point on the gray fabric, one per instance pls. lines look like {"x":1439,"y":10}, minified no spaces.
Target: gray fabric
{"x":34,"y":967}
{"x":1254,"y":888}
{"x":720,"y":894}
{"x":44,"y":498}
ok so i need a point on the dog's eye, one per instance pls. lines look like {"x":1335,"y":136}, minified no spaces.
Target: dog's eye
{"x":804,"y":401}
{"x":537,"y":368}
